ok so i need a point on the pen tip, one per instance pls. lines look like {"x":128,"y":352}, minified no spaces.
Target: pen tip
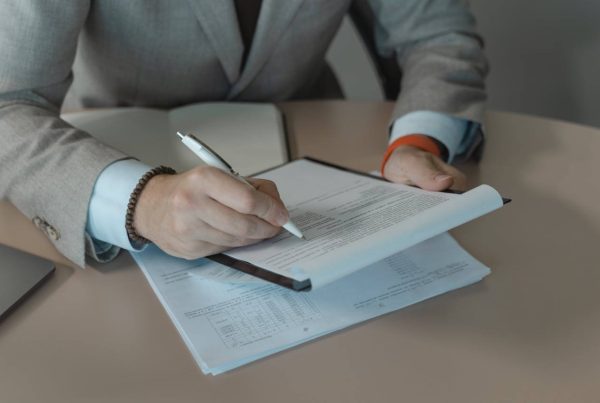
{"x":180,"y":135}
{"x":303,"y":237}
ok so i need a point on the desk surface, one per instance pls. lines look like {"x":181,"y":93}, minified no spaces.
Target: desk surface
{"x":529,"y":332}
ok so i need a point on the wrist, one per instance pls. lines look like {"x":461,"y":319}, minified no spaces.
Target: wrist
{"x":418,"y":141}
{"x":144,"y":204}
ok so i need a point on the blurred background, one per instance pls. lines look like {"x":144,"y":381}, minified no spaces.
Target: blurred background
{"x":544,"y":56}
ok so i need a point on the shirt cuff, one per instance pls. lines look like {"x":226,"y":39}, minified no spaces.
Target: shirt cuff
{"x":108,"y":204}
{"x":448,"y":130}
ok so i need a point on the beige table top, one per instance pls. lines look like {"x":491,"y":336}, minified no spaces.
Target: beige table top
{"x":530,"y":332}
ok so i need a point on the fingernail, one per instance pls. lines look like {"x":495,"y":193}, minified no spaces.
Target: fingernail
{"x":442,"y":177}
{"x":282,"y":217}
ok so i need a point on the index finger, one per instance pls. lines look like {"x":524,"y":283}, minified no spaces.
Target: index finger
{"x":265,"y":186}
{"x":245,"y":199}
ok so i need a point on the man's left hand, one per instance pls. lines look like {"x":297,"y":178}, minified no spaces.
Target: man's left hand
{"x":412,"y":166}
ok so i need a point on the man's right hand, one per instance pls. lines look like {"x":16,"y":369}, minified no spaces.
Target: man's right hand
{"x":205,"y":211}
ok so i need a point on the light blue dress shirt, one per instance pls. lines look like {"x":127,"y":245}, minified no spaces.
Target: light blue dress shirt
{"x":108,"y":205}
{"x":456,"y":134}
{"x":110,"y":196}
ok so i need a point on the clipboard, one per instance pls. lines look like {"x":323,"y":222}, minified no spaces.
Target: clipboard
{"x":279,"y":279}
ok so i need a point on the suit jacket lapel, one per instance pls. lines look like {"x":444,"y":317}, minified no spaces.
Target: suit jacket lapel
{"x":219,"y":23}
{"x":274,"y":18}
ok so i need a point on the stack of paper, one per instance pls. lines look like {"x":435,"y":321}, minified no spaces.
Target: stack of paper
{"x":228,"y":319}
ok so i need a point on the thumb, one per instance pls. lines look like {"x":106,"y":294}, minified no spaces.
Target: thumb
{"x":412,"y":166}
{"x":429,"y":176}
{"x":271,"y":207}
{"x":265,"y":186}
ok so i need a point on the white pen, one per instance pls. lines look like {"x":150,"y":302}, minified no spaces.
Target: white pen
{"x":213,"y":159}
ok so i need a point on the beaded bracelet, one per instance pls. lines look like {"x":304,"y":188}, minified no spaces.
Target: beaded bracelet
{"x":136,"y":239}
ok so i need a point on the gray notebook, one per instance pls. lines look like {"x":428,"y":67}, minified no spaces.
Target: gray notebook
{"x":20,"y":273}
{"x":250,"y":136}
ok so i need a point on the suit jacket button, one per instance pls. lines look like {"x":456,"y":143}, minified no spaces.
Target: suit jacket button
{"x":52,"y":233}
{"x":37,"y":221}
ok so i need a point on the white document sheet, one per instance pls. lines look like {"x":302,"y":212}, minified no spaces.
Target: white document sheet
{"x":228,"y":319}
{"x":351,"y":221}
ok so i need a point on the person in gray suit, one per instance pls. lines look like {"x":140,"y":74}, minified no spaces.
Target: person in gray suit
{"x":158,"y":53}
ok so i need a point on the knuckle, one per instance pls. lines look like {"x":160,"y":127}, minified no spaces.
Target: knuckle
{"x":197,"y":174}
{"x":203,"y":175}
{"x":272,"y":207}
{"x":248,"y":201}
{"x":247,"y":228}
{"x":210,"y":173}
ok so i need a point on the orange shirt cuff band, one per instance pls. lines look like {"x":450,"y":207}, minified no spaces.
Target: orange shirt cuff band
{"x":421,"y":141}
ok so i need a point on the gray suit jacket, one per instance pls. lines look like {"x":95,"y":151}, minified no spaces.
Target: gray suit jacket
{"x":163,"y":53}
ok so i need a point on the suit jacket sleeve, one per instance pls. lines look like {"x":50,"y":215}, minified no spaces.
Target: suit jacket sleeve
{"x":439,"y":52}
{"x":47,"y":168}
